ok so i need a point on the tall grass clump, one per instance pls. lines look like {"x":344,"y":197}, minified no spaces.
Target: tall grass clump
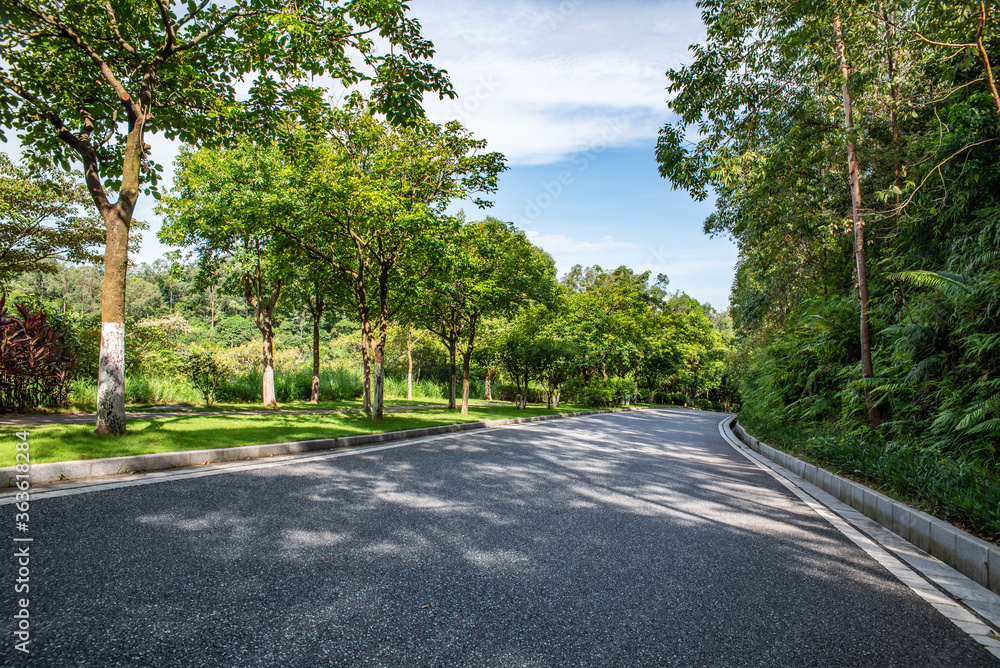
{"x":338,"y":384}
{"x":141,"y":389}
{"x":422,"y":389}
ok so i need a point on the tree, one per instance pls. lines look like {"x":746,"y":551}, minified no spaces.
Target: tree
{"x":42,"y":219}
{"x":87,"y":81}
{"x":223,"y":203}
{"x":491,"y":271}
{"x":609,"y":313}
{"x":372,"y":208}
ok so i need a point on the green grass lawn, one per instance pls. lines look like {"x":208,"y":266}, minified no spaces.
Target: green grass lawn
{"x":55,"y":443}
{"x":257,"y":406}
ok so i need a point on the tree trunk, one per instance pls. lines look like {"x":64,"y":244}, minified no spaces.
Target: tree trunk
{"x":488,"y":383}
{"x":453,"y":373}
{"x":316,"y":311}
{"x":111,"y":364}
{"x":268,"y":386}
{"x":314,"y":395}
{"x":378,"y":377}
{"x":117,"y":220}
{"x":867,"y":370}
{"x":409,"y":363}
{"x":367,"y":370}
{"x":466,"y":358}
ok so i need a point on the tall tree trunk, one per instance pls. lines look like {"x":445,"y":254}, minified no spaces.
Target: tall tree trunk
{"x":367,"y":370}
{"x":378,"y":376}
{"x":314,"y":395}
{"x":111,"y":362}
{"x":453,"y":372}
{"x":256,"y":294}
{"x":409,"y":363}
{"x":867,"y":370}
{"x":117,"y":220}
{"x":466,"y":359}
{"x":268,"y":384}
{"x":316,"y":311}
{"x":488,"y":385}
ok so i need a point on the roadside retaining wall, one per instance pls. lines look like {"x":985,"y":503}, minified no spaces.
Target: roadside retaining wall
{"x":971,"y":556}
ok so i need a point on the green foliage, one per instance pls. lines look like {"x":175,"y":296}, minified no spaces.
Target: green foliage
{"x":204,"y":371}
{"x":35,"y":363}
{"x":760,"y":123}
{"x":43,"y":219}
{"x":70,"y":69}
{"x":611,"y":392}
{"x":536,"y":394}
{"x":957,"y":490}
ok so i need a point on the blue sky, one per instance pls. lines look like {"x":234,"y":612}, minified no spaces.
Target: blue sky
{"x":573,"y":93}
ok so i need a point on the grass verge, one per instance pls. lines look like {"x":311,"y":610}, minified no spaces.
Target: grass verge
{"x":57,"y":443}
{"x":966,"y":494}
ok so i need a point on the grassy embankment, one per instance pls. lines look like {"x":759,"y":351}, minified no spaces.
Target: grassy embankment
{"x":965,"y":493}
{"x":53,"y":443}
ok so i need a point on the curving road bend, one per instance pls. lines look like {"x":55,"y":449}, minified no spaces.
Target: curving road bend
{"x":632,"y":539}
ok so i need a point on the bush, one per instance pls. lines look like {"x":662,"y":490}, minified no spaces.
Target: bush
{"x":507,"y":392}
{"x":204,"y":371}
{"x":610,"y":392}
{"x":35,"y":364}
{"x":703,"y":403}
{"x":670,"y":399}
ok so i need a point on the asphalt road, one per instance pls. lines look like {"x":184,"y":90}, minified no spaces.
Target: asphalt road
{"x":636,"y":539}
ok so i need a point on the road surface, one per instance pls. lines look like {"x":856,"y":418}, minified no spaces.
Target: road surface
{"x":633,"y":539}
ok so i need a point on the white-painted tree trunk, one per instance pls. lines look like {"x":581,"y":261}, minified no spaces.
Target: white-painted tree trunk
{"x":111,"y":380}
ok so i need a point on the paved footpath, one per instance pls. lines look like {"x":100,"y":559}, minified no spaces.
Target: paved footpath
{"x":637,"y":539}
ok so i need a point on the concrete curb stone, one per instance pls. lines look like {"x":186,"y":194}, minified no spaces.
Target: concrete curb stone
{"x":93,"y":468}
{"x":973,"y":557}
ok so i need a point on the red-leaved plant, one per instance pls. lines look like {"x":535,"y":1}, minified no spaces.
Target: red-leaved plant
{"x":35,"y":363}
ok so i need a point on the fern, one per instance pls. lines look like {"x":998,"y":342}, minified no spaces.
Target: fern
{"x":947,"y":283}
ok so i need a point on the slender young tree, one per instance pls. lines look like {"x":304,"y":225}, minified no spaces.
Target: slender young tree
{"x":372,"y":208}
{"x":492,"y":270}
{"x":223,"y":203}
{"x":867,"y":370}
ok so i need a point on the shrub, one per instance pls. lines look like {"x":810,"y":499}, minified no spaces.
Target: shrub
{"x":703,"y":403}
{"x":205,"y":373}
{"x":670,"y":398}
{"x":610,"y":392}
{"x":35,"y":363}
{"x":507,"y":392}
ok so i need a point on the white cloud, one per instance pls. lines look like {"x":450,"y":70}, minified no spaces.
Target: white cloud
{"x":561,"y":244}
{"x":541,"y":80}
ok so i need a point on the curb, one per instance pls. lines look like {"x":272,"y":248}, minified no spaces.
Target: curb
{"x":106,"y":466}
{"x":973,"y":557}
